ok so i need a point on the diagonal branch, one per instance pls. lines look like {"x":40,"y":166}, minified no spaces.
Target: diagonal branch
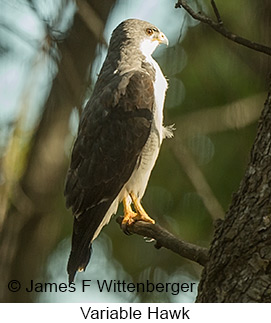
{"x":219,"y":27}
{"x":168,"y":240}
{"x":92,"y":20}
{"x":218,"y":17}
{"x":198,"y":180}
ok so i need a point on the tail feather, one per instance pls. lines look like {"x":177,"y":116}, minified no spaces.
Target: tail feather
{"x":84,"y":228}
{"x":78,"y":263}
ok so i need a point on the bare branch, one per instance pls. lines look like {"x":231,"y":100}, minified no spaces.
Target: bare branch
{"x":219,"y":27}
{"x":218,"y":17}
{"x":168,"y":240}
{"x":92,"y":20}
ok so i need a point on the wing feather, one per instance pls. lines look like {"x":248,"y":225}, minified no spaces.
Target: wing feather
{"x":114,"y":128}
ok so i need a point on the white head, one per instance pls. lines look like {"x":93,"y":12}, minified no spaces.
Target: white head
{"x":153,"y":38}
{"x":139,"y":34}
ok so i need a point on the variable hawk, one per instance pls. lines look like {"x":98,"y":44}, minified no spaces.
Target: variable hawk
{"x":119,"y":138}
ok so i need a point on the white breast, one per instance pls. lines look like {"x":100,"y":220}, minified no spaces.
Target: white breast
{"x":139,"y":179}
{"x":160,"y":87}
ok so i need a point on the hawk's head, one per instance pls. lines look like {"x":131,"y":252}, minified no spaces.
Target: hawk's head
{"x":140,"y":34}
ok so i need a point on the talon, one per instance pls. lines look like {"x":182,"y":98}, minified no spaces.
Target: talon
{"x":141,"y":213}
{"x":130,"y":216}
{"x":125,"y":229}
{"x":127,"y":221}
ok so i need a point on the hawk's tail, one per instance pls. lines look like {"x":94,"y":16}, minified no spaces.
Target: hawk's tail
{"x":84,"y":228}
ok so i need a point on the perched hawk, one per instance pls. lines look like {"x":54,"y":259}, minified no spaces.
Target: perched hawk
{"x":119,"y":138}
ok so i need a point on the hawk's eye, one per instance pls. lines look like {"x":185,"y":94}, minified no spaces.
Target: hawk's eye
{"x":149,"y":31}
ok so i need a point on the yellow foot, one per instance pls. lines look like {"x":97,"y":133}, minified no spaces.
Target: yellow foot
{"x":141,"y":213}
{"x":130,"y":216}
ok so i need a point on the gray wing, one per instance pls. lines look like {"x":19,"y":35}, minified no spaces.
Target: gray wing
{"x":114,"y":128}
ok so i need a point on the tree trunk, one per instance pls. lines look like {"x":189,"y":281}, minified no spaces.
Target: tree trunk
{"x":32,"y":225}
{"x":239,"y":266}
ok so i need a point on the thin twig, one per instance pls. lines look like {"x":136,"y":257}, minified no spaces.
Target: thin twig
{"x":219,"y":27}
{"x":168,"y":240}
{"x":218,"y":17}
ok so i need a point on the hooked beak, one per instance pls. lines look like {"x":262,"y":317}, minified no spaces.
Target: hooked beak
{"x":162,"y":39}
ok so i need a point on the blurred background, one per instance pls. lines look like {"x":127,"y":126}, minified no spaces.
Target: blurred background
{"x":50,"y":55}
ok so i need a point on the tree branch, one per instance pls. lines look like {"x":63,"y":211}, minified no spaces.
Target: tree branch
{"x":218,"y":17}
{"x":198,"y":180}
{"x":219,"y":27}
{"x":168,"y":240}
{"x":92,"y":20}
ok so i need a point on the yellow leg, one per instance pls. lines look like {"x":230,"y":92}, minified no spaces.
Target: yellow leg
{"x":141,"y":213}
{"x":129,"y":214}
